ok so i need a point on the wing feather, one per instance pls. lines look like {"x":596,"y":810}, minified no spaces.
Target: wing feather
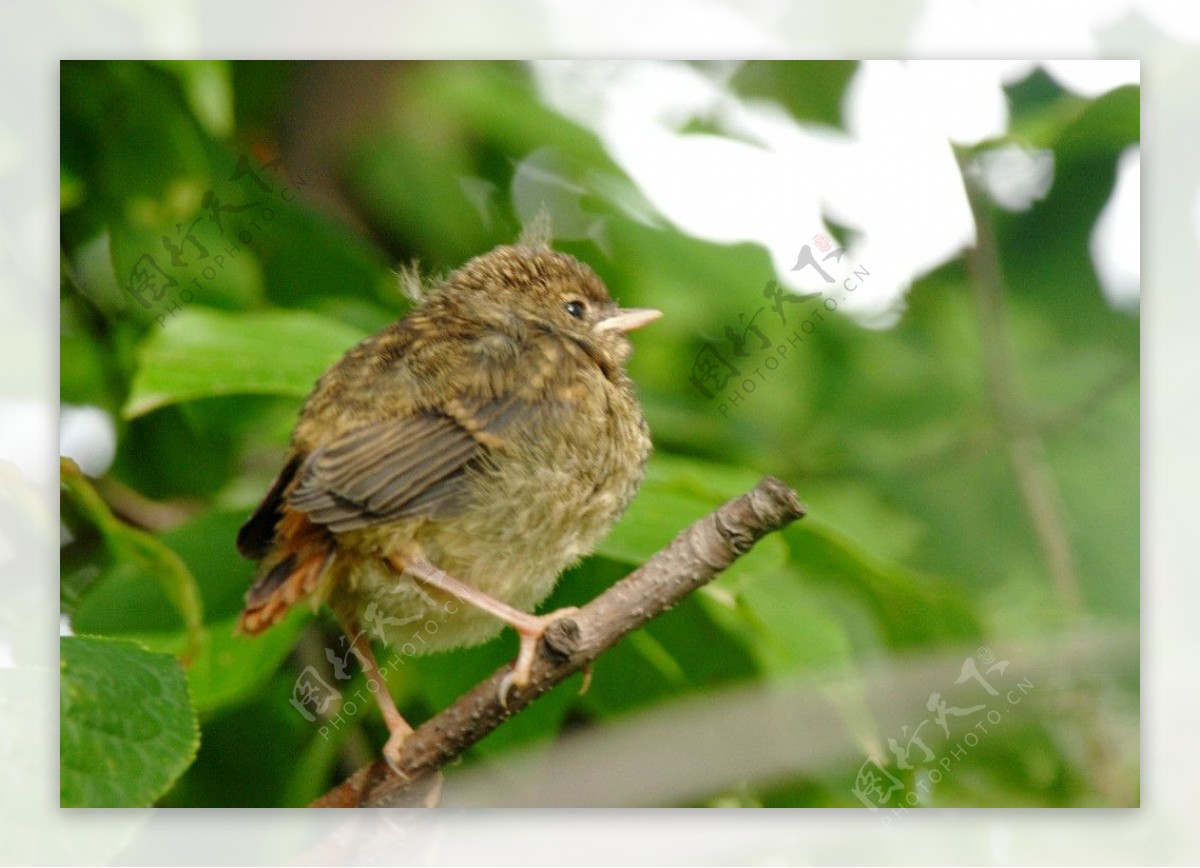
{"x":388,"y":470}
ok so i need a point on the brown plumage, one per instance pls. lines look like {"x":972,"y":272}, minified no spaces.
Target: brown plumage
{"x":444,"y":472}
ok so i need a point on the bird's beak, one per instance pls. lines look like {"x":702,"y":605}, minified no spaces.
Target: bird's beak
{"x":627,"y":319}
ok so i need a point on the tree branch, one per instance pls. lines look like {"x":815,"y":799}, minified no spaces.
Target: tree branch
{"x":696,"y":556}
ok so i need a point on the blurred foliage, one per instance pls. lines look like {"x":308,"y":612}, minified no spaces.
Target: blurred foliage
{"x":228,"y":229}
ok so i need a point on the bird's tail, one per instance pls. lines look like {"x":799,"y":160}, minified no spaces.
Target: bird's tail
{"x":291,"y":572}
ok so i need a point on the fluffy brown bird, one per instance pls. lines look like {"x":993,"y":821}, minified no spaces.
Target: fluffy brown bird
{"x":444,"y":472}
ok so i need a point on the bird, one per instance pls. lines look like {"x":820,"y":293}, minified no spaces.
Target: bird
{"x":444,"y":472}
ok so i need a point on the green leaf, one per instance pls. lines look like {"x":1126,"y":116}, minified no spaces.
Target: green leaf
{"x":231,"y":666}
{"x":224,"y":667}
{"x":128,"y":134}
{"x":262,"y":753}
{"x":657,"y":514}
{"x":699,"y":643}
{"x":803,"y":632}
{"x":208,"y":90}
{"x":128,"y":730}
{"x":309,"y":770}
{"x":799,"y":627}
{"x":129,"y":546}
{"x":810,"y":89}
{"x":911,"y":609}
{"x":205,"y":354}
{"x":677,"y":491}
{"x":228,"y":276}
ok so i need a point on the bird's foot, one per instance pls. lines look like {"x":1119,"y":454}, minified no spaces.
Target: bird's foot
{"x":530,"y":629}
{"x":399,"y":731}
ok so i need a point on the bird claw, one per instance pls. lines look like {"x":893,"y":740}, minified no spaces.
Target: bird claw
{"x":530,"y":634}
{"x":506,"y":686}
{"x":392,"y":749}
{"x":587,"y":679}
{"x":521,"y":673}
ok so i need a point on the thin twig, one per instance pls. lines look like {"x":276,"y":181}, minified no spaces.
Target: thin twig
{"x":1026,"y":450}
{"x":694,"y":557}
{"x":141,"y":511}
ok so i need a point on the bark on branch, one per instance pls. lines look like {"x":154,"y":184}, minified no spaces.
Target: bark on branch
{"x":696,"y":556}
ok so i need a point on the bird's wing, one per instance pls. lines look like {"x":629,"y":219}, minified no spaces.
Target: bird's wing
{"x":412,"y":465}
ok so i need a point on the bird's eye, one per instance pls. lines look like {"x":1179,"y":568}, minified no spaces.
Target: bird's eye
{"x":576,"y":309}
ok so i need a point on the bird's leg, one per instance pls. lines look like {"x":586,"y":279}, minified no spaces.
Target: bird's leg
{"x":530,"y":628}
{"x":398,"y":727}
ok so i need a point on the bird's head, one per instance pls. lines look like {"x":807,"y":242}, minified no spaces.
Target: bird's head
{"x":532,"y":287}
